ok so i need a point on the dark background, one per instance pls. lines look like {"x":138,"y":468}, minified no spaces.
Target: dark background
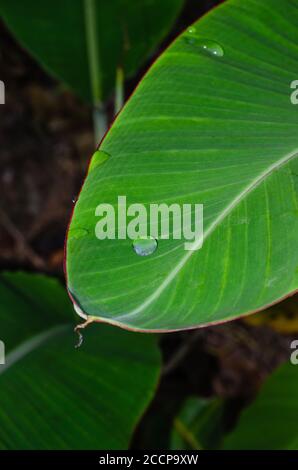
{"x":46,"y":141}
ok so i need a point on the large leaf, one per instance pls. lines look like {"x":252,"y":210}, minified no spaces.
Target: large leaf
{"x":212,"y":123}
{"x":271,"y":421}
{"x":82,"y":42}
{"x":56,"y":397}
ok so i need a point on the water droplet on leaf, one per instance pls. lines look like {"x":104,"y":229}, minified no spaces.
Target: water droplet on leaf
{"x":99,"y":157}
{"x":212,"y":47}
{"x":191,"y":30}
{"x":206,"y":45}
{"x":144,"y":246}
{"x":77,"y":233}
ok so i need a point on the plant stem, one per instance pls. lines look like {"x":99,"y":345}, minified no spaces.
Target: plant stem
{"x":93,"y":50}
{"x":100,"y":123}
{"x":119,"y":90}
{"x":92,"y":37}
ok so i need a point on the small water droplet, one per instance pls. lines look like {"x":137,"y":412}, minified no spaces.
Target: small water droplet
{"x":98,"y":158}
{"x":144,"y":246}
{"x":191,"y":30}
{"x":77,"y":233}
{"x":206,"y":45}
{"x":74,"y":200}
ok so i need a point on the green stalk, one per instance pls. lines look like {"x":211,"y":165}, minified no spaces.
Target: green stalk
{"x":119,"y":90}
{"x":99,"y":113}
{"x":100,"y":123}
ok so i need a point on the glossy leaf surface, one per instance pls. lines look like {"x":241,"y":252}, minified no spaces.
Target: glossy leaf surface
{"x":212,"y":123}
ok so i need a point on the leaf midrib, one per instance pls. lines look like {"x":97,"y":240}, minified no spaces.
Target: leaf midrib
{"x":221,"y":217}
{"x":31,"y":344}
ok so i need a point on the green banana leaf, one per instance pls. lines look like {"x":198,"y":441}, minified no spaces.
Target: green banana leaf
{"x":54,"y":396}
{"x":82,"y":42}
{"x":270,"y":422}
{"x":212,"y":123}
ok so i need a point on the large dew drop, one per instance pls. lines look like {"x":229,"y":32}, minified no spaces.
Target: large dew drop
{"x":99,"y":157}
{"x":76,"y":233}
{"x":211,"y":47}
{"x":144,"y":246}
{"x":206,"y":45}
